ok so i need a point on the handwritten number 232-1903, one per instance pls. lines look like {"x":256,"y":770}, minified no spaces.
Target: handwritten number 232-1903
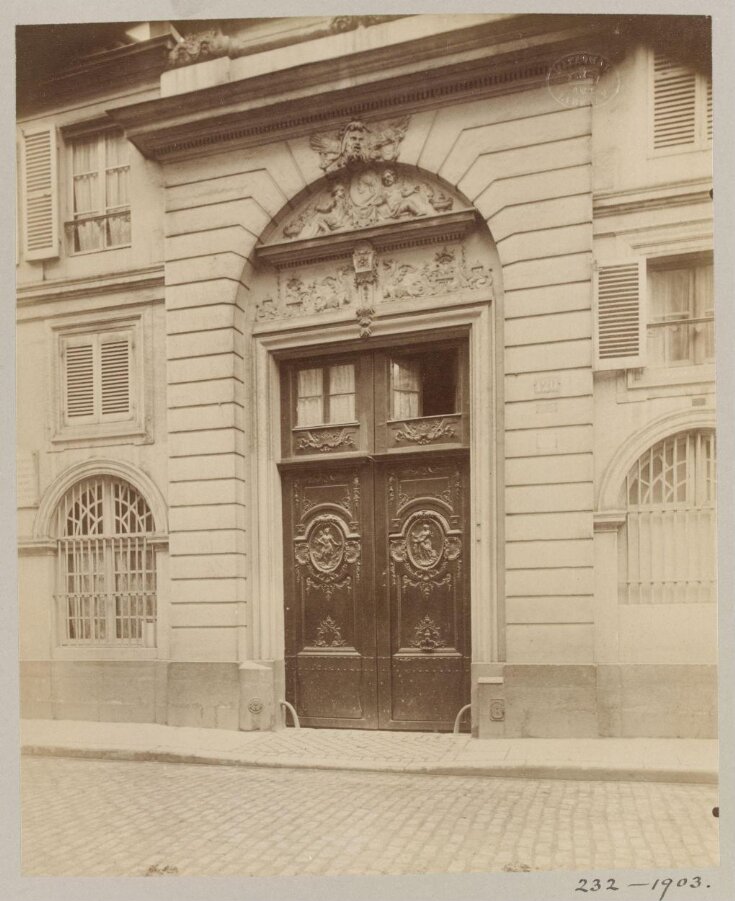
{"x":595,"y":885}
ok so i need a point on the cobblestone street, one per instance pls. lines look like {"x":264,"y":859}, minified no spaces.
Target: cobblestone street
{"x":121,"y":818}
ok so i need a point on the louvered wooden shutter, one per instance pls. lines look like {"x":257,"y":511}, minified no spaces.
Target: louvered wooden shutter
{"x":674,"y":104}
{"x":40,"y":195}
{"x":115,"y":376}
{"x":79,"y":380}
{"x":620,"y":328}
{"x":708,"y":124}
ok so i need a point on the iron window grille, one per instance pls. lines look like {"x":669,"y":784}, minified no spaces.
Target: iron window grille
{"x":106,"y":577}
{"x":668,"y":547}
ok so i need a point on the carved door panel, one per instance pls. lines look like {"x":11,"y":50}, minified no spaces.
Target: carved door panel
{"x":422,"y":556}
{"x":330,"y":602}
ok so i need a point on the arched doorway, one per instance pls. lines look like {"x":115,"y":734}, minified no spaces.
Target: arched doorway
{"x":376,"y":396}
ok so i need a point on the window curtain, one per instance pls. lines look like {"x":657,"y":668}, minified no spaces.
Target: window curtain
{"x":705,"y":307}
{"x":342,"y":393}
{"x":671,"y":302}
{"x":116,"y":190}
{"x":309,"y":397}
{"x":86,"y":203}
{"x":406,"y":384}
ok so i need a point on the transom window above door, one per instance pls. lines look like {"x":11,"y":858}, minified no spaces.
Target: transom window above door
{"x":392,"y":398}
{"x":423,"y":384}
{"x":325,"y":394}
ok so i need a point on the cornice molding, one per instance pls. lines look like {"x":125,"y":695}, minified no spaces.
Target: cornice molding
{"x":442,"y":227}
{"x":102,"y":72}
{"x":386,"y":80}
{"x":213,"y":43}
{"x":636,"y":200}
{"x":68,"y":289}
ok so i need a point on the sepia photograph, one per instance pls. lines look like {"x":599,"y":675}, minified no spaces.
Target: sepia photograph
{"x":365,"y":450}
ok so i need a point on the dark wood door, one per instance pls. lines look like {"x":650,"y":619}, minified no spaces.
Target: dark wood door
{"x":331,"y":674}
{"x":376,"y":553}
{"x":423,"y":603}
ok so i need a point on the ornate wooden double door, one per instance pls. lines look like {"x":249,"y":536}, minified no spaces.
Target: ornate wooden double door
{"x":376,"y":490}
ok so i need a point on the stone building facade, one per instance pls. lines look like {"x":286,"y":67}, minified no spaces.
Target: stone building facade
{"x":367,"y":364}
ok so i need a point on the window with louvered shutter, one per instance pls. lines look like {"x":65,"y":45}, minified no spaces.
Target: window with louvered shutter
{"x":79,"y":371}
{"x":115,"y":376}
{"x":682,"y":105}
{"x":40,"y":195}
{"x":97,"y":377}
{"x":619,"y":317}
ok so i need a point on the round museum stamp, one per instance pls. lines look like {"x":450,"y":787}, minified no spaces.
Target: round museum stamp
{"x":582,"y":79}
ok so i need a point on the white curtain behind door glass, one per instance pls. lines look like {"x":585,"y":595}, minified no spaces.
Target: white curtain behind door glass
{"x":342,"y":393}
{"x":406,"y":388}
{"x":309,"y":397}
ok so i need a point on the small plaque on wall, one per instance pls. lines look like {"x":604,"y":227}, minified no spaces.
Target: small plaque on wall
{"x":27,"y":478}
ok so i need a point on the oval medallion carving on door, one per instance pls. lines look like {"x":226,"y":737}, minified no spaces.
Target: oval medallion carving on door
{"x":326,"y":546}
{"x":425,"y":543}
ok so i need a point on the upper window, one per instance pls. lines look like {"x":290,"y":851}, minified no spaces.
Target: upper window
{"x":681,"y":313}
{"x":668,"y":545}
{"x":100,"y":204}
{"x":682,"y":106}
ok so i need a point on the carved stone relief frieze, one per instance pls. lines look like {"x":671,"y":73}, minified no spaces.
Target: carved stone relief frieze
{"x":447,"y":271}
{"x":365,"y":198}
{"x":328,"y":288}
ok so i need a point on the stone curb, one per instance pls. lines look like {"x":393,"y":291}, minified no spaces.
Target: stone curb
{"x":591,"y":772}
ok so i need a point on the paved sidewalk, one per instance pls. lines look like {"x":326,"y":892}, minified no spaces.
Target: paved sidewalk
{"x":642,"y":759}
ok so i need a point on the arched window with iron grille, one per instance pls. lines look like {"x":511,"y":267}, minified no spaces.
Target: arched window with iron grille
{"x":668,"y":549}
{"x":106,"y":580}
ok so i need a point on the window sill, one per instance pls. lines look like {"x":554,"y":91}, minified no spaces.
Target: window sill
{"x":97,"y":433}
{"x":654,"y":154}
{"x":80,"y":652}
{"x":85,"y":253}
{"x":669,"y":376}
